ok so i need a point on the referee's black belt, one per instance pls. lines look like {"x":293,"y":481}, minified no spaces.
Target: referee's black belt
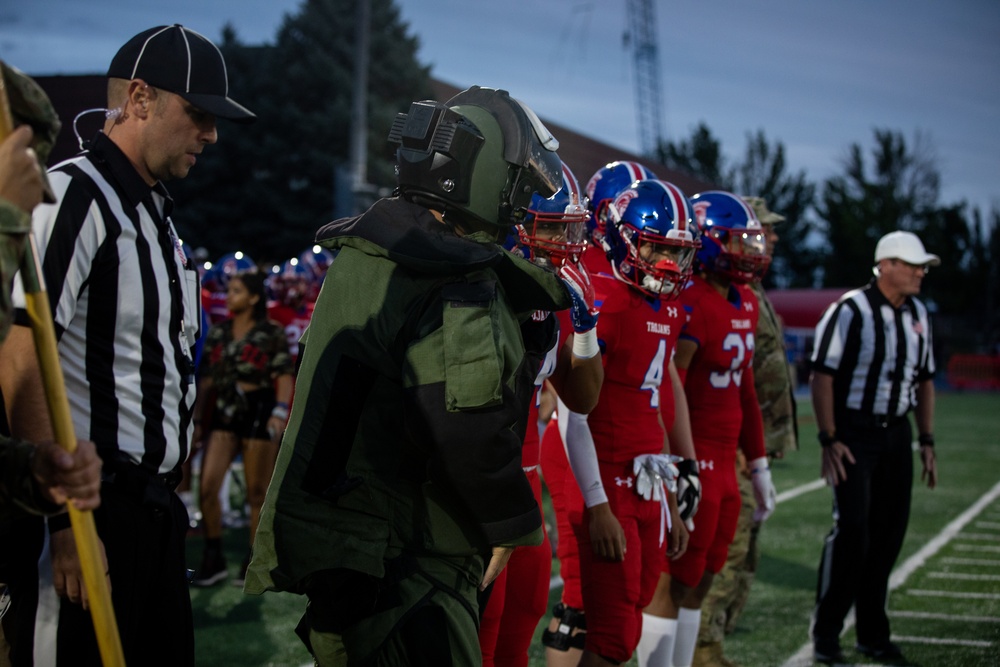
{"x":138,"y":482}
{"x":861,"y":419}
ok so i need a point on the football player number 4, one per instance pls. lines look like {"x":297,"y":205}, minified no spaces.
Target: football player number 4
{"x":654,"y":375}
{"x":741,"y":349}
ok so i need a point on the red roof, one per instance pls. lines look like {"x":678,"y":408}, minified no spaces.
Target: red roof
{"x":803,"y":308}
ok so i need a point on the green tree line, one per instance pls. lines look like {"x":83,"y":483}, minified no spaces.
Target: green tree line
{"x":829,"y":237}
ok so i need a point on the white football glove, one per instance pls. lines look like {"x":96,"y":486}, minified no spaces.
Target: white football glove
{"x":653,"y":473}
{"x":763,"y":489}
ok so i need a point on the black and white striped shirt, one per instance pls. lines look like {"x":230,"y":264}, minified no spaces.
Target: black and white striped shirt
{"x":876,"y":353}
{"x":125,"y":305}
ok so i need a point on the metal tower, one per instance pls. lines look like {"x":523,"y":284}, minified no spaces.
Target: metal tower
{"x":641,"y":38}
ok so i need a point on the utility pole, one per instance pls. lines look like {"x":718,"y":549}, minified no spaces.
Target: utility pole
{"x":641,"y":37}
{"x":363,"y":193}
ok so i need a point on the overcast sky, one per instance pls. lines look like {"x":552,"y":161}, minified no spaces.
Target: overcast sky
{"x":817,"y":75}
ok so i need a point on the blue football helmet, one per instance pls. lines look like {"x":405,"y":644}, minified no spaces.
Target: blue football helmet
{"x":733,"y":242}
{"x":317,"y":260}
{"x":604,"y":186}
{"x":216,"y":277}
{"x":652,"y":238}
{"x":290,"y":284}
{"x":554,"y":229}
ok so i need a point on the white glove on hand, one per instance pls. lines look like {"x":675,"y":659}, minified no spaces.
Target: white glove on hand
{"x":653,"y":472}
{"x":763,"y":489}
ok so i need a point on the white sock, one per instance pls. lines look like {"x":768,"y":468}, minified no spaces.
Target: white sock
{"x":656,"y":645}
{"x":688,"y":621}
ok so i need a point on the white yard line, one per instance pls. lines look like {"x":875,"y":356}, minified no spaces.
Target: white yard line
{"x":961,"y":576}
{"x":972,"y":643}
{"x":991,"y":562}
{"x":987,"y":524}
{"x":803,"y":657}
{"x":957,"y":595}
{"x":977,"y":547}
{"x":799,"y":490}
{"x":980,"y":537}
{"x":931,"y":616}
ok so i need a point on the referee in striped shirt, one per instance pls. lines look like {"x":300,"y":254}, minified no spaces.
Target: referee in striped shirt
{"x":872,"y":364}
{"x":126,"y":307}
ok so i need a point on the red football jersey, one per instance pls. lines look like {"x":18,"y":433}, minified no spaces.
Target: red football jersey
{"x":595,"y":258}
{"x":214,"y":305}
{"x":719,"y":380}
{"x":637,"y":338}
{"x":294,"y":322}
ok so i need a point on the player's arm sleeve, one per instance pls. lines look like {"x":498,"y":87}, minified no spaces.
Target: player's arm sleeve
{"x":456,"y":388}
{"x":582,"y":455}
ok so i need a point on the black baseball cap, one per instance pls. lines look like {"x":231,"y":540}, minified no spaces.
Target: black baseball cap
{"x":181,"y":61}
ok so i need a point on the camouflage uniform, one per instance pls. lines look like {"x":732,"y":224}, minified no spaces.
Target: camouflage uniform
{"x":19,"y":495}
{"x":401,"y":464}
{"x":774,"y":380}
{"x":28,"y":105}
{"x":257,"y":358}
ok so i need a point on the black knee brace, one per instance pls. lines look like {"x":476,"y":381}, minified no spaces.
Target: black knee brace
{"x":564,"y":638}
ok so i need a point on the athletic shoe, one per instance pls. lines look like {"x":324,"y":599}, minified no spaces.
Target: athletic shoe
{"x":212,"y":570}
{"x":883,"y":651}
{"x":827,"y":651}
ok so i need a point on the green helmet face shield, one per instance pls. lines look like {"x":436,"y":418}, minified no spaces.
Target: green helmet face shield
{"x":481,"y":156}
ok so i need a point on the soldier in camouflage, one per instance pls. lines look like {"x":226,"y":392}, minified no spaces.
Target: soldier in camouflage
{"x":774,"y":379}
{"x":33,"y":478}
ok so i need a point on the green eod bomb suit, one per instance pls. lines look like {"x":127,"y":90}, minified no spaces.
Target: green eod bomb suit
{"x":401,"y":461}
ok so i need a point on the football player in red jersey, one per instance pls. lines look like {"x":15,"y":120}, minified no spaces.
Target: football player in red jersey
{"x":623,"y":542}
{"x":714,"y":357}
{"x":552,"y":235}
{"x":562,"y":639}
{"x":291,"y":308}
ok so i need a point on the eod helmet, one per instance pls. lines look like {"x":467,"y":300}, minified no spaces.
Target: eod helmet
{"x":479,"y":158}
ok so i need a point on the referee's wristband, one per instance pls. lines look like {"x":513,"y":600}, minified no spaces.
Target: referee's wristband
{"x":926,"y":439}
{"x":826,"y":438}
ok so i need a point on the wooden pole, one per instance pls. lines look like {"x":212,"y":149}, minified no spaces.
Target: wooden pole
{"x":84,"y":531}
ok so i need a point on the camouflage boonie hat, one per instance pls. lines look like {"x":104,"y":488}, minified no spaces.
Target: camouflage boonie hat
{"x":763,"y":213}
{"x":29,"y":105}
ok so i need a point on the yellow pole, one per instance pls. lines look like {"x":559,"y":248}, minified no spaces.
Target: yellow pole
{"x":84,"y":531}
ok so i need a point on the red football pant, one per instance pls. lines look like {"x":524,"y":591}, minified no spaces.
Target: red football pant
{"x":518,"y":600}
{"x":565,"y":494}
{"x":715,"y":521}
{"x":614,"y":594}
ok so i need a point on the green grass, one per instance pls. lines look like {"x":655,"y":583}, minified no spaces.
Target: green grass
{"x":235,"y":629}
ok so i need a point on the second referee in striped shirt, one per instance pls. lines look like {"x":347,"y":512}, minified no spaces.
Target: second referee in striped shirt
{"x":873,"y":363}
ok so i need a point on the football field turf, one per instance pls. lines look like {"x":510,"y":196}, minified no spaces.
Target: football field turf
{"x":945,"y":598}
